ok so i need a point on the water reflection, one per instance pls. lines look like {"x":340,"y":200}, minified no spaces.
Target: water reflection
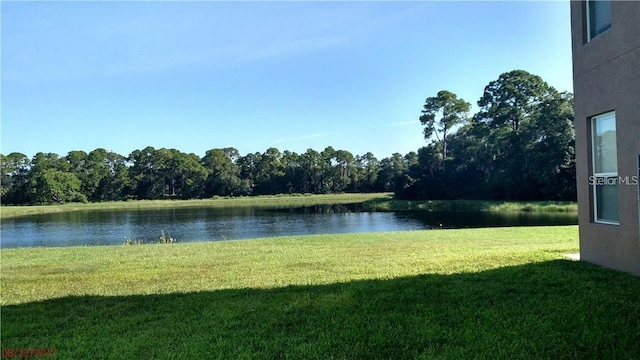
{"x":111,"y":227}
{"x":475,"y":219}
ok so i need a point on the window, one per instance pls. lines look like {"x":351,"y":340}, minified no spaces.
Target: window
{"x":598,"y":17}
{"x":605,"y":168}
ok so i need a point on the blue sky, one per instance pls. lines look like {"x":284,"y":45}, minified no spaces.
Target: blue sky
{"x":252,"y":75}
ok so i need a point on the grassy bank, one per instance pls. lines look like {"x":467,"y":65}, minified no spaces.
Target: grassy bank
{"x":390,"y":204}
{"x":371,"y":202}
{"x":250,"y":201}
{"x":449,"y":294}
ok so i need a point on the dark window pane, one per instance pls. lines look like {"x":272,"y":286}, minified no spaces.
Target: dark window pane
{"x":607,"y":203}
{"x":599,"y":17}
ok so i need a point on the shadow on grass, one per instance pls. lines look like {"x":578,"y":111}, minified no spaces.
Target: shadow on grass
{"x":556,"y":309}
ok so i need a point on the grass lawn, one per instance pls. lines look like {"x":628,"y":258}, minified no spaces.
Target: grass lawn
{"x":499,"y":293}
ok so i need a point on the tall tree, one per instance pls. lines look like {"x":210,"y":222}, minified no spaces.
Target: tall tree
{"x":248,"y":165}
{"x":508,"y":105}
{"x":55,"y":186}
{"x":116,"y":185}
{"x":270,"y":173}
{"x":394,"y":172}
{"x":312,"y":165}
{"x":146,"y":180}
{"x":368,"y":167}
{"x":223,"y":177}
{"x":511,"y":99}
{"x":14,"y":181}
{"x":326,"y":169}
{"x":440,"y":114}
{"x":293,"y":177}
{"x":40,"y":163}
{"x":344,"y":170}
{"x":182,"y":173}
{"x":91,"y":169}
{"x":550,"y":148}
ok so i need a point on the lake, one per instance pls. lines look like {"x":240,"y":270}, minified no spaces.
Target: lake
{"x":112,"y":227}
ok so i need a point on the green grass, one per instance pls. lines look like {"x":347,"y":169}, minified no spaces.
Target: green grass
{"x":390,"y":204}
{"x":500,"y":293}
{"x":249,"y":201}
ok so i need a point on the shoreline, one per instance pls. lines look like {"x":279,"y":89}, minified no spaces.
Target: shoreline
{"x":373,"y":202}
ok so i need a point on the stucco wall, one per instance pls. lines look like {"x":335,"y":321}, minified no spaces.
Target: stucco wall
{"x":606,"y":73}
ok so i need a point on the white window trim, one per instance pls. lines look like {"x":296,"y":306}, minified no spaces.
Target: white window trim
{"x":599,"y":175}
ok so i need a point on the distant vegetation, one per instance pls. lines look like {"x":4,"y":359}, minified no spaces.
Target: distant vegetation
{"x":386,"y":204}
{"x":519,"y":146}
{"x":266,"y":201}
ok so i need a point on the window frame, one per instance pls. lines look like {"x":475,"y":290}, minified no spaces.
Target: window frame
{"x":587,"y":19}
{"x":602,"y":175}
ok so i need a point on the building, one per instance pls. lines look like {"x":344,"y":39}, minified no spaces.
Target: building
{"x":606,"y":80}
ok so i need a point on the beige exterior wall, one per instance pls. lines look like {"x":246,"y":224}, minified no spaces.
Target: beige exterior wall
{"x":606,"y":76}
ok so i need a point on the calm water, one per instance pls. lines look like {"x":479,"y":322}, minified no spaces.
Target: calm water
{"x":207,"y":224}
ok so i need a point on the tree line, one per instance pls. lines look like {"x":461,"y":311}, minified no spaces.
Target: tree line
{"x":519,"y":146}
{"x":151,"y":173}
